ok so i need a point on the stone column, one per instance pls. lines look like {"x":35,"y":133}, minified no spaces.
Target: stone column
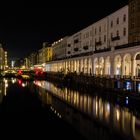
{"x":132,"y":67}
{"x":92,"y":62}
{"x":112,"y":62}
{"x":122,"y":68}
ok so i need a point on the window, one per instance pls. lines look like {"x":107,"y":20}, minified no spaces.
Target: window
{"x":124,"y":18}
{"x":117,"y":21}
{"x":76,"y":41}
{"x":69,"y":52}
{"x":100,"y":29}
{"x":90,"y":33}
{"x":117,"y":33}
{"x":111,"y":24}
{"x":69,"y":45}
{"x":124,"y":31}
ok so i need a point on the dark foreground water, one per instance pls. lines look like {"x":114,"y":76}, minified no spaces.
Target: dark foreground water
{"x":44,"y":110}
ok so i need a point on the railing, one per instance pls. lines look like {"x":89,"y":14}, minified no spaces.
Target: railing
{"x":85,"y":47}
{"x":102,"y":50}
{"x":127,"y":45}
{"x":98,"y":43}
{"x":115,"y":38}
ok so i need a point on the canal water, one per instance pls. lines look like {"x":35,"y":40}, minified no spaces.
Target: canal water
{"x":68,"y":113}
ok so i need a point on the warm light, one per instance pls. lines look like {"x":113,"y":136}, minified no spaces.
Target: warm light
{"x":118,"y":66}
{"x":6,"y":85}
{"x":118,"y":115}
{"x":23,"y":84}
{"x":13,"y":81}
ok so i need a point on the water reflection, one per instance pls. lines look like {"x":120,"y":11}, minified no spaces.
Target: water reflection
{"x":4,"y":84}
{"x":128,"y":85}
{"x":118,"y":119}
{"x":22,"y":83}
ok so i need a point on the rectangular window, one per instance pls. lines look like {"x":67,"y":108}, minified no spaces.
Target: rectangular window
{"x":124,"y":18}
{"x":117,"y":21}
{"x":111,"y":24}
{"x":100,"y":29}
{"x":124,"y":31}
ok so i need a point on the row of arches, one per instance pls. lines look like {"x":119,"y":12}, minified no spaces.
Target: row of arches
{"x":122,"y":65}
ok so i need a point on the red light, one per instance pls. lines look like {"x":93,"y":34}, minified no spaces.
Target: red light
{"x":20,"y":72}
{"x":19,"y":82}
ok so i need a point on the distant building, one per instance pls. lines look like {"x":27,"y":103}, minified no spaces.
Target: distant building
{"x":2,"y":58}
{"x":59,"y":49}
{"x":6,"y":60}
{"x":48,"y":51}
{"x":45,"y":53}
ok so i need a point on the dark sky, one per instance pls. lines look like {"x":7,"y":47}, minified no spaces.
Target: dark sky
{"x":24,"y":26}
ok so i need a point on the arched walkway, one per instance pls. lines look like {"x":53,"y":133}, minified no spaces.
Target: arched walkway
{"x":127,"y":65}
{"x":101,"y":66}
{"x":137,"y":64}
{"x":96,"y":66}
{"x":107,"y":66}
{"x":117,"y":65}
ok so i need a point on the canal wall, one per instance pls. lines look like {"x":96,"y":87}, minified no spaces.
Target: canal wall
{"x":90,"y":82}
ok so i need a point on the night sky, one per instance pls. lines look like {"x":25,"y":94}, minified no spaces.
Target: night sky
{"x":24,"y":26}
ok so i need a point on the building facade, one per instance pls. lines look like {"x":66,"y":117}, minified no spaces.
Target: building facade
{"x":59,"y":49}
{"x":48,"y":51}
{"x":3,"y":58}
{"x":107,"y":44}
{"x":134,"y":22}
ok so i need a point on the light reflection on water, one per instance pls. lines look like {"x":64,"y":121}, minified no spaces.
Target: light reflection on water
{"x":117,"y":118}
{"x":128,"y":85}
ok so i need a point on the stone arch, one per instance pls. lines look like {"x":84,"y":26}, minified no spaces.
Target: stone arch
{"x":89,"y":66}
{"x":85,"y":65}
{"x":96,"y":66}
{"x":101,"y":65}
{"x":127,"y":63}
{"x":137,"y":64}
{"x":107,"y":65}
{"x":117,"y":65}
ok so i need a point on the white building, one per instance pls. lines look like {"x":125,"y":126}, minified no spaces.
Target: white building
{"x":100,"y":34}
{"x":87,"y":40}
{"x":69,"y":48}
{"x":118,"y":27}
{"x":102,"y":49}
{"x":59,"y":49}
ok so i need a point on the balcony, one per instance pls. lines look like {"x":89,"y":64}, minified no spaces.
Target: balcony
{"x":98,"y":43}
{"x":102,"y":50}
{"x":115,"y":38}
{"x":85,"y":47}
{"x":127,"y":45}
{"x":76,"y":49}
{"x":69,"y":52}
{"x":76,"y":41}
